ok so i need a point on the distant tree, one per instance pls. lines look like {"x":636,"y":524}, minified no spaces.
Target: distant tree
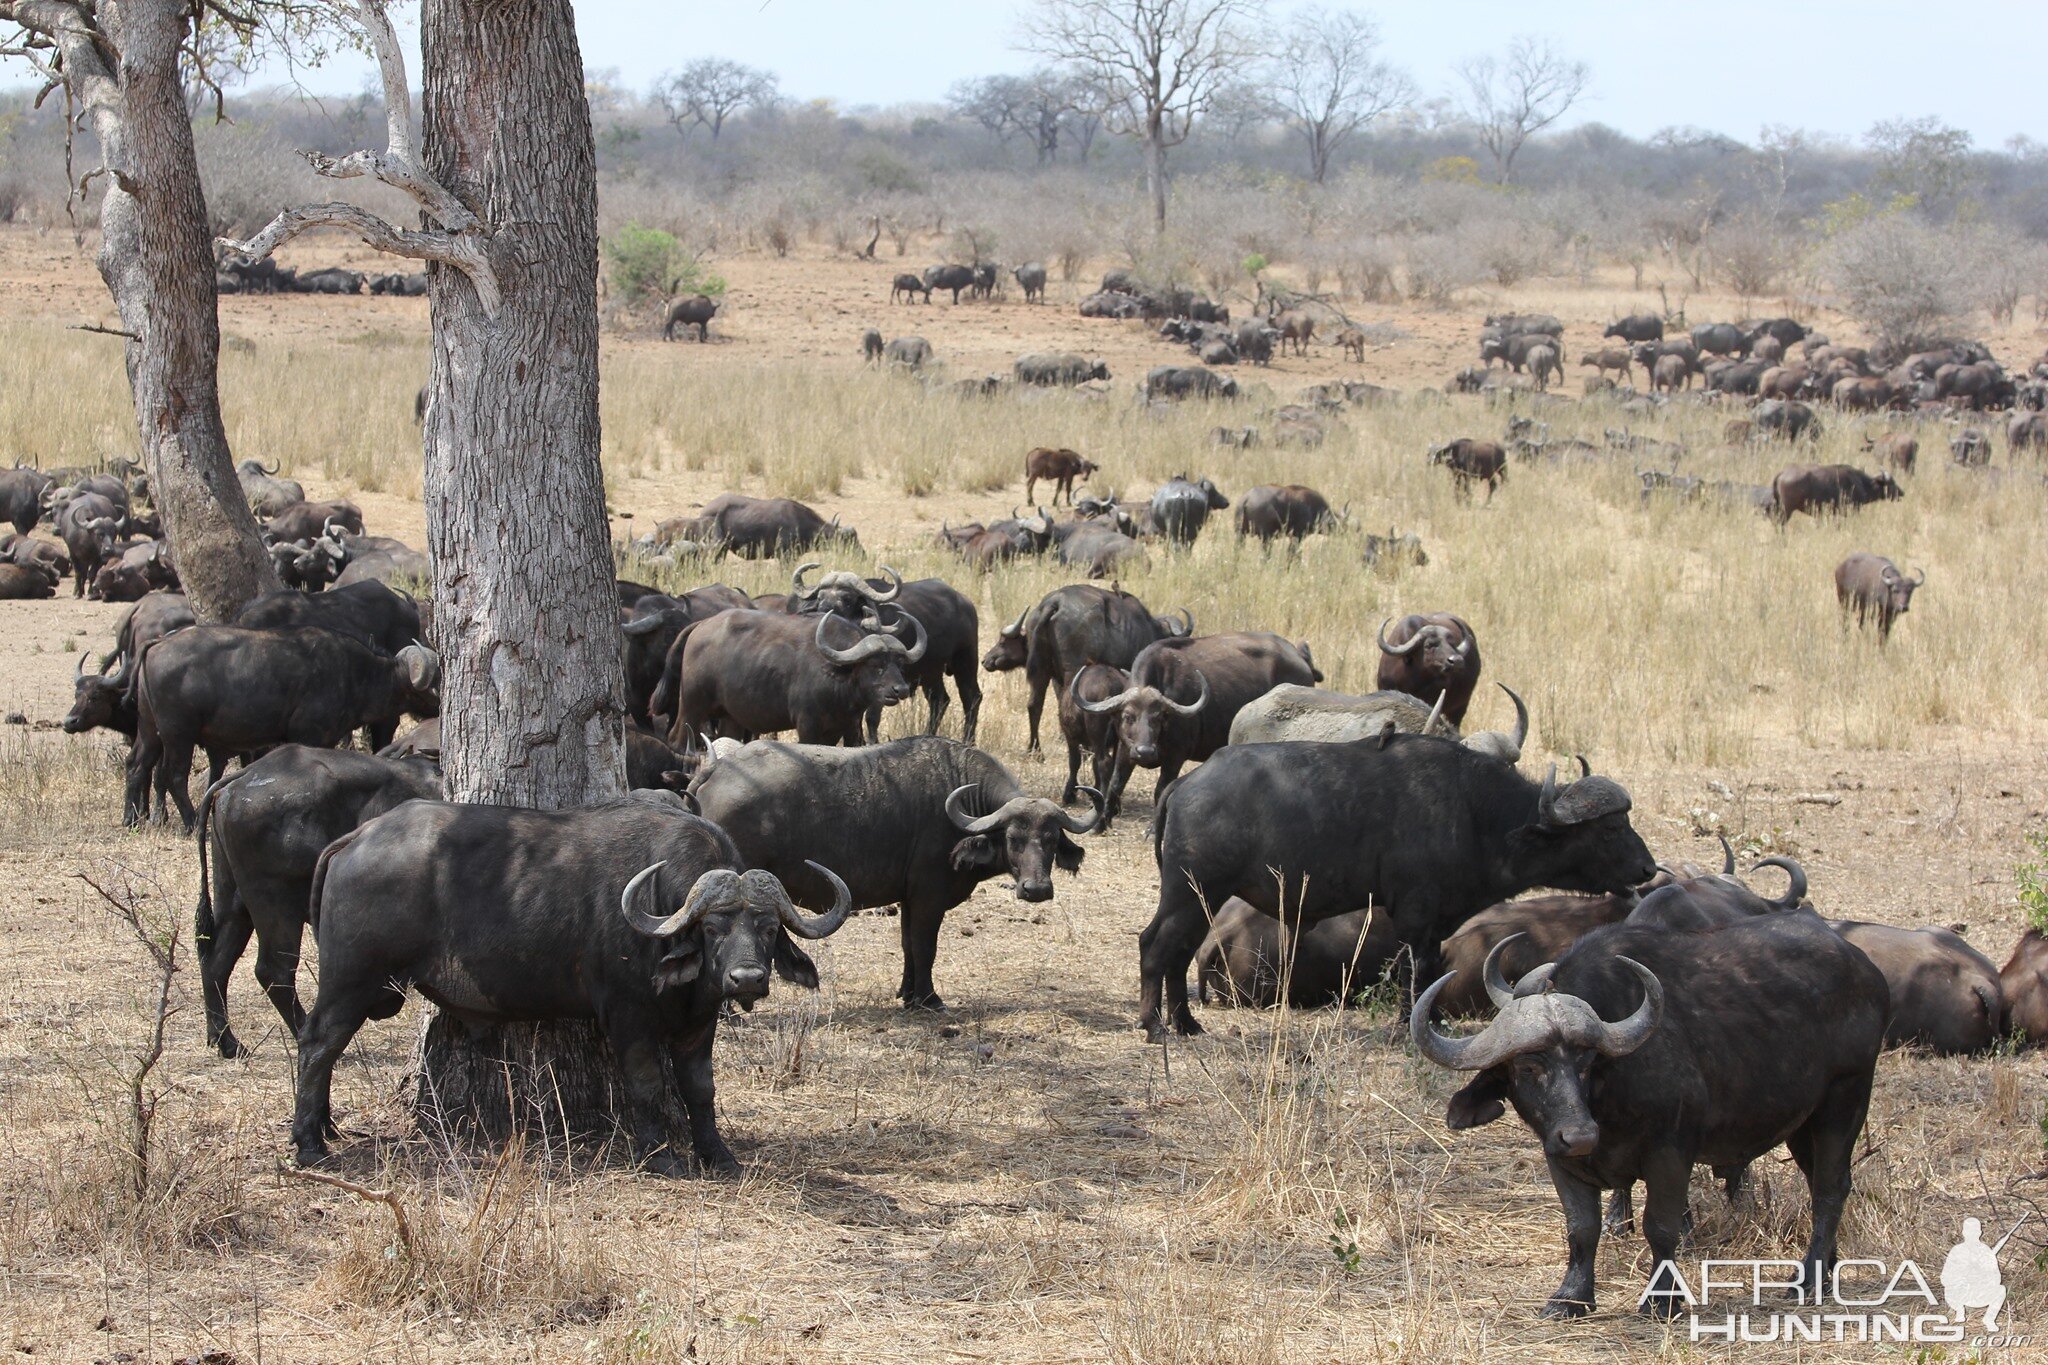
{"x":1326,"y":83}
{"x":1511,"y":99}
{"x":1903,"y":279}
{"x":1922,"y":157}
{"x":711,"y":90}
{"x":1159,"y":62}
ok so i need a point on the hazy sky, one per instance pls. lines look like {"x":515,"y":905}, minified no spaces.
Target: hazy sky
{"x":1730,"y":65}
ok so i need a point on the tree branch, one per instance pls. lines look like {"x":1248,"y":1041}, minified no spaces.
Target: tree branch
{"x":462,"y":240}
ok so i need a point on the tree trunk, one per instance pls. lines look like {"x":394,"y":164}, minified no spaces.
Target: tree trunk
{"x":157,"y":262}
{"x":1155,"y":174}
{"x":525,"y":601}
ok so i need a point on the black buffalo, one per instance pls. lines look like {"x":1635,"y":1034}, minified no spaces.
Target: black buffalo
{"x":1292,"y":510}
{"x":1429,"y":656}
{"x":632,"y":915}
{"x":761,"y":528}
{"x":1187,"y":381}
{"x":951,"y":278}
{"x":1182,"y":506}
{"x":21,"y":497}
{"x":951,"y":625}
{"x":651,"y":626}
{"x":917,"y":822}
{"x":1814,"y":489}
{"x":385,"y":620}
{"x":747,"y":673}
{"x":88,"y":524}
{"x":1637,"y":327}
{"x":694,"y":311}
{"x":1073,"y":626}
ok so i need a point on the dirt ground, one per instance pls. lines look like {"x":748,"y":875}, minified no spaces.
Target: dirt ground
{"x":1020,"y":1178}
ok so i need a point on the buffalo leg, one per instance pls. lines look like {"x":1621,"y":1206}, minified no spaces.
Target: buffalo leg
{"x":277,"y":971}
{"x":176,"y":776}
{"x":1073,"y":772}
{"x":633,"y":1041}
{"x":920,"y":930}
{"x":1581,"y":1201}
{"x":1034,"y":708}
{"x":1119,"y":775}
{"x":143,"y":760}
{"x":338,"y":1012}
{"x":1164,"y":951}
{"x":937,"y":701}
{"x":217,"y":959}
{"x":1667,"y":1179}
{"x":693,"y":1075}
{"x":969,"y":688}
{"x":1168,"y":771}
{"x":1825,"y":1150}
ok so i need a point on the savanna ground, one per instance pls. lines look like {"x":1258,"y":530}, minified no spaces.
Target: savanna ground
{"x":1022,"y":1178}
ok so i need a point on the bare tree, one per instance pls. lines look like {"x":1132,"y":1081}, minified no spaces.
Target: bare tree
{"x":994,"y":102}
{"x":526,"y":609}
{"x":1160,"y":62}
{"x":1511,"y":99}
{"x":711,"y":90}
{"x":125,"y":68}
{"x":1327,"y":83}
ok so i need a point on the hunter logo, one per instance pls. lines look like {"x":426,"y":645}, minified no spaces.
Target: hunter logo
{"x":1851,"y":1307}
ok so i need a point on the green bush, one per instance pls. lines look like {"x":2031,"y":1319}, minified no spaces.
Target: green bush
{"x":2032,"y":879}
{"x":645,"y":263}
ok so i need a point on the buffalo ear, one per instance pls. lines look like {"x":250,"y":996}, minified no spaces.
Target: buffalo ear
{"x":679,"y":966}
{"x":1067,"y":857}
{"x":793,"y":964}
{"x":1481,"y":1101}
{"x":974,"y":853}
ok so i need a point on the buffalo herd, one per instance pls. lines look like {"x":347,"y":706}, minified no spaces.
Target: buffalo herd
{"x":1309,"y":844}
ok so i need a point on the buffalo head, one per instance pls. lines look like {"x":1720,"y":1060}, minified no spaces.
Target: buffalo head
{"x":1435,"y":651}
{"x":99,"y":703}
{"x":1010,"y":649}
{"x":1580,"y":838}
{"x":731,"y":928}
{"x":1028,"y":836}
{"x":876,"y":660}
{"x":1145,"y":715}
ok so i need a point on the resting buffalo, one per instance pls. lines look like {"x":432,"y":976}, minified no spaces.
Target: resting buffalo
{"x":951,"y":625}
{"x":1424,"y":828}
{"x":1814,"y":489}
{"x":1289,"y":712}
{"x":29,"y":582}
{"x":1637,"y":327}
{"x":1245,"y":954}
{"x":1472,"y":462}
{"x":695,"y":311}
{"x":748,"y":673}
{"x":1872,"y":587}
{"x":496,"y":914}
{"x":1292,"y":510}
{"x":1429,"y":656}
{"x":1945,"y":995}
{"x":1072,"y":626}
{"x":1183,"y":695}
{"x":1515,"y":324}
{"x":1787,"y":419}
{"x":307,"y":521}
{"x":1643,"y":1053}
{"x":952,"y":278}
{"x":1739,"y":377}
{"x":917,"y":823}
{"x":1187,"y":381}
{"x":1058,"y":466}
{"x":21,"y":497}
{"x":236,"y":691}
{"x":1061,"y":369}
{"x":761,"y":528}
{"x":2024,"y":979}
{"x":264,"y":829}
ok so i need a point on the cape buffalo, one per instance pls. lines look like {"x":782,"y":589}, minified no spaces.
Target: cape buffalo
{"x":871,"y":346}
{"x":650,"y":630}
{"x":32,"y":582}
{"x":1429,"y":656}
{"x":1187,"y":381}
{"x":1292,"y":510}
{"x":496,"y":914}
{"x":268,"y":495}
{"x":917,"y":822}
{"x":1424,"y":828}
{"x":1472,"y":462}
{"x":1720,"y":338}
{"x":1643,"y":1053}
{"x":951,"y":625}
{"x":1637,"y":327}
{"x":1072,"y":626}
{"x":748,"y":673}
{"x":952,"y":278}
{"x":1181,"y":507}
{"x":1945,"y":995}
{"x":87,"y":525}
{"x":1872,"y":587}
{"x":1814,"y":489}
{"x":695,"y":311}
{"x":1059,"y":466}
{"x":1031,"y":279}
{"x":1057,"y":369}
{"x":1245,"y":955}
{"x":2024,"y":979}
{"x":761,"y":528}
{"x":907,"y":353}
{"x":21,"y":497}
{"x":307,"y":521}
{"x":905,"y":285}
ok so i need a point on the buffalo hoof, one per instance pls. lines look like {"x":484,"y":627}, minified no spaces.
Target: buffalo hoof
{"x":310,"y":1156}
{"x":1664,"y":1305}
{"x":718,"y":1165}
{"x":1184,"y":1026}
{"x":1566,"y":1308}
{"x":665,"y":1163}
{"x":928,"y":1002}
{"x":229,"y":1046}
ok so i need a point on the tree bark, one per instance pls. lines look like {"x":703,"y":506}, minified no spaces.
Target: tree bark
{"x":1155,"y":174}
{"x":525,"y":600}
{"x":156,"y":259}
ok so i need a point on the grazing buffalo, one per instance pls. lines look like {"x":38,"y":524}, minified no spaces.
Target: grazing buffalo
{"x":1970,"y":448}
{"x":1643,"y":1053}
{"x":264,"y":829}
{"x":1071,"y":627}
{"x":1187,"y":381}
{"x":1472,"y":462}
{"x":1814,"y":489}
{"x":951,"y":625}
{"x":1057,"y":465}
{"x":917,"y":823}
{"x":308,"y":521}
{"x":1429,"y":656}
{"x":650,"y":631}
{"x":761,"y":528}
{"x":1185,"y":692}
{"x":1872,"y":587}
{"x":1030,"y":278}
{"x":22,"y":491}
{"x":1242,"y":960}
{"x":907,"y":353}
{"x":1945,"y":995}
{"x":1721,"y":338}
{"x":496,"y":914}
{"x":268,"y":495}
{"x":233,"y":691}
{"x":871,"y":346}
{"x":1424,"y":828}
{"x":1182,"y":506}
{"x":951,"y":278}
{"x":88,"y":524}
{"x":1296,"y":328}
{"x":695,"y":311}
{"x":2024,"y":979}
{"x":1057,"y":369}
{"x":905,"y":285}
{"x":748,"y":673}
{"x":1637,"y":327}
{"x":1100,"y":550}
{"x":1292,"y":510}
{"x":31,"y":552}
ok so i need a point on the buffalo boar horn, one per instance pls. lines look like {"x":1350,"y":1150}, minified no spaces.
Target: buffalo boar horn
{"x":1187,"y":623}
{"x":1795,"y":891}
{"x":869,"y":646}
{"x":1409,"y":646}
{"x":716,"y":884}
{"x":1919,"y":577}
{"x":1620,"y":1039}
{"x":1465,"y":649}
{"x":1497,"y":988}
{"x":1189,"y":708}
{"x":1727,"y":856}
{"x":1073,"y":826}
{"x":1476,"y":1053}
{"x":1521,"y":717}
{"x":890,"y":594}
{"x":1546,"y":798}
{"x":956,"y":811}
{"x":796,"y":582}
{"x":795,"y":920}
{"x":1585,"y":768}
{"x":1114,"y":703}
{"x":916,"y":651}
{"x":275,"y":467}
{"x":1016,"y":627}
{"x":1436,"y":714}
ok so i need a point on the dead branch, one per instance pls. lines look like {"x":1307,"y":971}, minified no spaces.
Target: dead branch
{"x":461,"y":240}
{"x":385,"y":1197}
{"x":105,"y":332}
{"x":125,"y":903}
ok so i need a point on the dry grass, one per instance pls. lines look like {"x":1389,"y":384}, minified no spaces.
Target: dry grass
{"x":1024,"y":1180}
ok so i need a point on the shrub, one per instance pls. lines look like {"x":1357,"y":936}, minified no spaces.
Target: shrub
{"x":2031,"y":877}
{"x":1901,"y":279}
{"x":646,"y":264}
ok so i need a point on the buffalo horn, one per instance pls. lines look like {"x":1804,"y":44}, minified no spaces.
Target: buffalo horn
{"x":1408,"y":646}
{"x":795,"y":920}
{"x":796,"y":582}
{"x":1073,"y":826}
{"x":1111,"y":703}
{"x":1436,"y":714}
{"x":1497,"y":988}
{"x":1189,"y":708}
{"x":956,"y":811}
{"x":716,"y":883}
{"x":1796,"y":890}
{"x":1621,"y":1038}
